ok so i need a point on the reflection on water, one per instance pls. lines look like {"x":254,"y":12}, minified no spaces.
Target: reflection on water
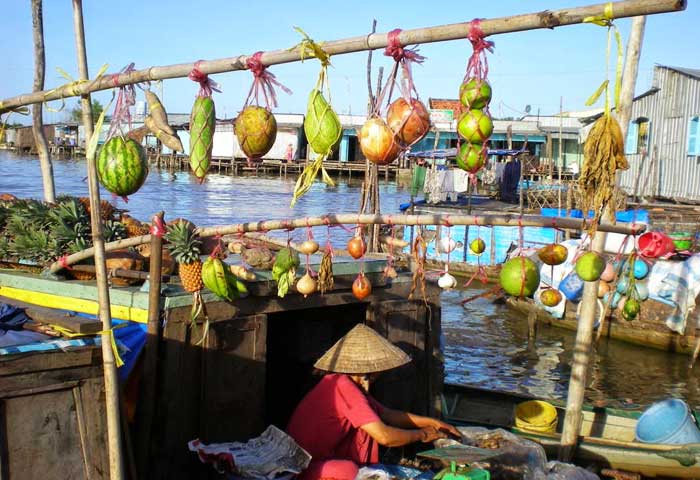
{"x":485,"y":344}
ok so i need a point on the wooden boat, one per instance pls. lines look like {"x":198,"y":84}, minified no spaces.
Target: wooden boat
{"x":607,"y":434}
{"x":648,"y":329}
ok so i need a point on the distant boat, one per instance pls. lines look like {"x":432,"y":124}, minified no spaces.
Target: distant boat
{"x":607,"y":434}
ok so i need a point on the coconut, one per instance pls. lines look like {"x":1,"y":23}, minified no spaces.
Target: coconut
{"x":377,"y":142}
{"x":475,"y":93}
{"x":256,"y":131}
{"x":409,"y":122}
{"x":590,"y":266}
{"x":471,"y":157}
{"x":519,"y":277}
{"x":475,"y":126}
{"x":553,"y":254}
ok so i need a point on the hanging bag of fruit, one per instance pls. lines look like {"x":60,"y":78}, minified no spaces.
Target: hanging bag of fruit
{"x":603,"y":151}
{"x":121,"y":163}
{"x":407,"y":119}
{"x":475,"y":125}
{"x":321,"y":124}
{"x":202,"y":123}
{"x":255,"y":126}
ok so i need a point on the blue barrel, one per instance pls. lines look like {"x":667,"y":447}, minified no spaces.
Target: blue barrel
{"x":669,"y":422}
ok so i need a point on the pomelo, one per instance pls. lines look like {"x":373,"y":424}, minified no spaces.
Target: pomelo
{"x":590,"y":266}
{"x":475,"y":126}
{"x":519,"y":277}
{"x":475,"y":93}
{"x":550,"y":297}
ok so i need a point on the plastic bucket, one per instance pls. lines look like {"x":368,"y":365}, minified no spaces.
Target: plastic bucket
{"x":655,"y":244}
{"x":536,"y":416}
{"x":682,"y":240}
{"x":668,"y":422}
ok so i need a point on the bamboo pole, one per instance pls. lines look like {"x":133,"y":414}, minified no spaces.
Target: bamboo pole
{"x":457,"y":31}
{"x":367,"y":219}
{"x":150,"y":368}
{"x":584,"y":332}
{"x":42,"y":146}
{"x":116,"y":466}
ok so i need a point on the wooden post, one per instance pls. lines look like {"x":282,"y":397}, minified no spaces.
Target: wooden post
{"x":560,"y":164}
{"x":584,"y":333}
{"x":116,"y":466}
{"x":147,"y":403}
{"x":42,"y":147}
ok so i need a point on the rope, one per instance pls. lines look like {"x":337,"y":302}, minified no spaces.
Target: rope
{"x":206,"y":84}
{"x":263,"y":81}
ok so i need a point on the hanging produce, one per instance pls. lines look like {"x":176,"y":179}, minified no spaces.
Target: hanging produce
{"x":590,"y":266}
{"x":255,"y":126}
{"x":202,"y":123}
{"x":284,"y":270}
{"x":357,"y":246}
{"x":377,"y":142}
{"x":550,"y":297}
{"x":408,"y":119}
{"x":553,"y":254}
{"x":185,"y":247}
{"x":519,"y":277}
{"x":325,"y":270}
{"x":475,"y":125}
{"x":121,"y":163}
{"x":306,"y":285}
{"x":361,"y":287}
{"x":446,"y":280}
{"x":321,"y":124}
{"x":218,"y":278}
{"x":603,"y":151}
{"x":157,"y":123}
{"x":477,"y":246}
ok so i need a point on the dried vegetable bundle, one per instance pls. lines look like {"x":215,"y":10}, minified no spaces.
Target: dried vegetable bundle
{"x":321,"y":124}
{"x":603,"y":152}
{"x":202,"y":124}
{"x":157,"y":123}
{"x":255,"y":126}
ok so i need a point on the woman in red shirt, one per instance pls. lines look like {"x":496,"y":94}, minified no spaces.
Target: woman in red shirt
{"x":340,"y":424}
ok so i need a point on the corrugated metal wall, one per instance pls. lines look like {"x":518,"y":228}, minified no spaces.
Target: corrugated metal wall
{"x":665,"y":169}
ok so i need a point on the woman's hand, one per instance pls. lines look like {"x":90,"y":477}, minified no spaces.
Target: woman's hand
{"x":445,"y":428}
{"x":430,"y":434}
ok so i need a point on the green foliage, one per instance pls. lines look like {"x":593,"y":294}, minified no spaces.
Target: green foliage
{"x":284,"y":270}
{"x":183,"y":244}
{"x":76,"y":113}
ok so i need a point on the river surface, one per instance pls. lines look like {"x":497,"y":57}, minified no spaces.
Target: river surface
{"x":485,"y":344}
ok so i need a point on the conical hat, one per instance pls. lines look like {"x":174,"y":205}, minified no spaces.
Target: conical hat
{"x":362,"y":350}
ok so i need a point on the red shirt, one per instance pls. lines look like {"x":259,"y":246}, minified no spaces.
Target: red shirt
{"x":327,"y":422}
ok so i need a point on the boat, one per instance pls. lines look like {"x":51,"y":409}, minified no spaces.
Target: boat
{"x":647,"y":330}
{"x":607,"y":434}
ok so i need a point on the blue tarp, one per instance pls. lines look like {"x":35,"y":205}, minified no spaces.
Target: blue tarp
{"x":638,"y":216}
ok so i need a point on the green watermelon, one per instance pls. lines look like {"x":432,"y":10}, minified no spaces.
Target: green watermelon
{"x":122,"y":166}
{"x":202,"y":126}
{"x":256,"y":130}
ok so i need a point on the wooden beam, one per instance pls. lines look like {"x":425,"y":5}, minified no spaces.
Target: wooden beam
{"x":457,"y":31}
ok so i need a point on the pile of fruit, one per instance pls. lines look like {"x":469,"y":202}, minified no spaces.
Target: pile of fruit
{"x":475,"y":125}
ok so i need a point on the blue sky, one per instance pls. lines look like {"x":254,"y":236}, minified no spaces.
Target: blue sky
{"x":528,"y":68}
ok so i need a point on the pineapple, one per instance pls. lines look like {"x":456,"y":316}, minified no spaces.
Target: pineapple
{"x":185,"y":247}
{"x":106,"y":208}
{"x":134,"y":228}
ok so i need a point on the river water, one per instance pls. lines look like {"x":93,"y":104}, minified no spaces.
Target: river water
{"x":485,"y":344}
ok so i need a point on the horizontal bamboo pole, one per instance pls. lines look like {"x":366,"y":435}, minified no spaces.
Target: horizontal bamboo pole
{"x":370,"y":219}
{"x":455,"y":31}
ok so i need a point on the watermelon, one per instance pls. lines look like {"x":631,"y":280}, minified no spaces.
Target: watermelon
{"x":202,"y":126}
{"x":122,"y":166}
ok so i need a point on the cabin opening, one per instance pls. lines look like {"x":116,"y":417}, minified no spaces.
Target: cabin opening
{"x":295,"y":340}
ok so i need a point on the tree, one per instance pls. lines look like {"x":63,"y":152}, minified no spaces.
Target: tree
{"x":76,"y":113}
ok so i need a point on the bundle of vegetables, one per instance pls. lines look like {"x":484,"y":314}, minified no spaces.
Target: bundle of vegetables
{"x":475,"y":125}
{"x":202,"y":124}
{"x":255,"y":126}
{"x":321,"y":124}
{"x":121,"y":163}
{"x":219,"y":278}
{"x":284,"y":270}
{"x":407,"y":119}
{"x":603,"y":152}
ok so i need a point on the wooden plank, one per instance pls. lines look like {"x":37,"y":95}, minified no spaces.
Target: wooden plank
{"x":38,"y":380}
{"x":64,"y":319}
{"x":45,"y":361}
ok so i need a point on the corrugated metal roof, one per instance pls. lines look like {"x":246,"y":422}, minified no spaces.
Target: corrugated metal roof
{"x":692,"y":72}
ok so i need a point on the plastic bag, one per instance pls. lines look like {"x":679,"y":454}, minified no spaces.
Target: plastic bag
{"x":564,"y":471}
{"x":517,"y":458}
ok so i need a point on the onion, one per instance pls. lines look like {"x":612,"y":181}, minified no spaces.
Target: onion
{"x":377,"y":142}
{"x":447,"y":281}
{"x":447,"y":245}
{"x":306,"y":285}
{"x":308,"y":247}
{"x":357,"y":247}
{"x":409,"y":122}
{"x":361,"y":287}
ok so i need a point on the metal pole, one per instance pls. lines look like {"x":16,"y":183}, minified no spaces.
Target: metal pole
{"x":110,"y":370}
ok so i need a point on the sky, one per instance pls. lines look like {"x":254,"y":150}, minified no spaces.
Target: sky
{"x":534,"y":68}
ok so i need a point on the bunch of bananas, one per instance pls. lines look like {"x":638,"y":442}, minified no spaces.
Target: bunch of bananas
{"x":218,"y":278}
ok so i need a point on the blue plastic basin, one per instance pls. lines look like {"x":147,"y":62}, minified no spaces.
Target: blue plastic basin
{"x":668,"y":422}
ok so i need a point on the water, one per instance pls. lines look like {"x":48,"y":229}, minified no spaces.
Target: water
{"x":485,"y":344}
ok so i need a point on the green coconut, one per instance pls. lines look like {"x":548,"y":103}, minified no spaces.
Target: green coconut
{"x":256,"y":131}
{"x":590,"y":266}
{"x":471,"y":157}
{"x":475,"y":93}
{"x":520,"y":277}
{"x":475,"y":126}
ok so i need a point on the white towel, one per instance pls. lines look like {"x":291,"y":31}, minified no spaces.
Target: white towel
{"x":461,"y":180}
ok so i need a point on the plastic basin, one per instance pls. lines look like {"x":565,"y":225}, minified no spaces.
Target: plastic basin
{"x":668,"y":422}
{"x":536,"y":416}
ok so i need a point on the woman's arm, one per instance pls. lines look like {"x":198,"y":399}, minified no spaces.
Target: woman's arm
{"x":401,"y":419}
{"x":396,"y":437}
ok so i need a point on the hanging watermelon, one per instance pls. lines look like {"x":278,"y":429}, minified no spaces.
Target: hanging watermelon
{"x":121,"y":166}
